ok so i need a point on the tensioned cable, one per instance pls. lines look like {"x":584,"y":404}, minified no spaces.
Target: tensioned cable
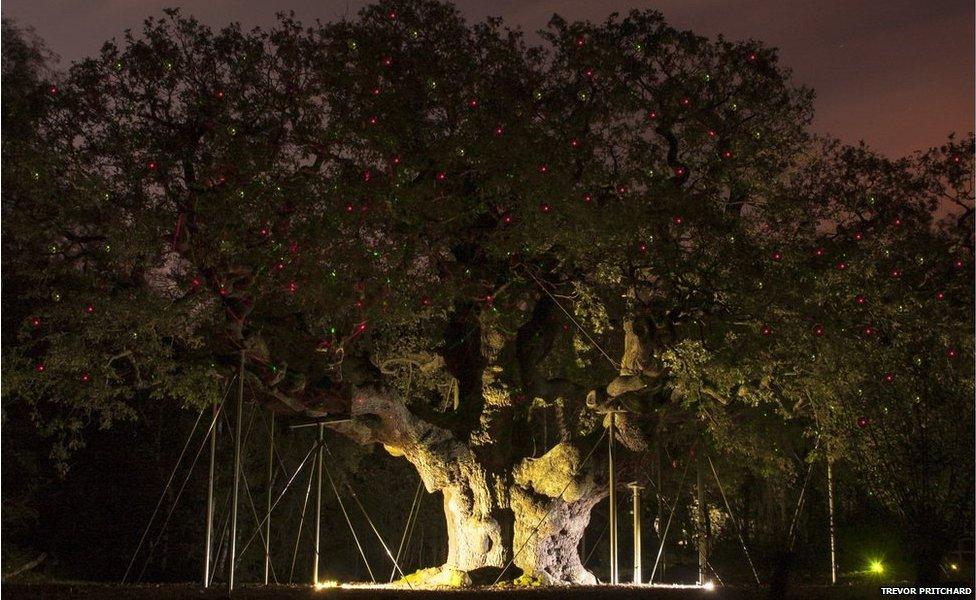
{"x":664,"y":535}
{"x":254,"y":511}
{"x":223,"y":533}
{"x":738,"y":529}
{"x":345,"y":514}
{"x":408,"y":525}
{"x":162,"y":496}
{"x":551,"y":507}
{"x":603,"y":532}
{"x":301,"y":525}
{"x":413,"y":528}
{"x":169,"y":482}
{"x":376,"y":532}
{"x":573,"y":319}
{"x":799,"y":501}
{"x":280,"y":496}
{"x":179,"y":494}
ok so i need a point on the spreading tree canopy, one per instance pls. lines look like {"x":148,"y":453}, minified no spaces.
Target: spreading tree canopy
{"x":449,"y":234}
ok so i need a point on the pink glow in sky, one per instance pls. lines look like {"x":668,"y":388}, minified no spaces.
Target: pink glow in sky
{"x":896,"y":73}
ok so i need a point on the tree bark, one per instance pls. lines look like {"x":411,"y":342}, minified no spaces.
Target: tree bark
{"x":532,"y":513}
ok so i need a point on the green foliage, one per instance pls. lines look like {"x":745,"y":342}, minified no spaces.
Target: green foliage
{"x":411,"y":201}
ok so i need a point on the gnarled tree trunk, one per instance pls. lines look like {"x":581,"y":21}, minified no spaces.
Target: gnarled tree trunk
{"x":531,"y":514}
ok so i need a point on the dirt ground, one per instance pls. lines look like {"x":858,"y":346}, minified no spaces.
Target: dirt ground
{"x":86,"y":591}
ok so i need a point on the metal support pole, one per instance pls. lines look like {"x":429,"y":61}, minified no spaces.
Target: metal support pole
{"x":636,"y":489}
{"x":237,"y":475}
{"x":318,"y":505}
{"x":210,"y":497}
{"x":830,"y":513}
{"x":702,"y":517}
{"x":614,"y":579}
{"x":267,"y":512}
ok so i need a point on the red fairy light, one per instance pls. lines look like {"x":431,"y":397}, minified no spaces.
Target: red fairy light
{"x":40,"y":368}
{"x":766,"y":330}
{"x":425,"y":301}
{"x":952,"y":353}
{"x":441,"y":176}
{"x":489,"y":299}
{"x":507,"y":219}
{"x":862,"y":422}
{"x":940,"y":295}
{"x":678,"y":220}
{"x":888,"y":377}
{"x":36,"y":321}
{"x":85,"y":377}
{"x":195,"y":282}
{"x":819,"y":252}
{"x":543,"y":169}
{"x":859,"y":299}
{"x":545,"y":207}
{"x":587,"y":198}
{"x":868,"y":331}
{"x":499,"y":131}
{"x":818,"y":330}
{"x":652,"y":115}
{"x":841,"y":266}
{"x":777,"y":256}
{"x":90,"y":309}
{"x":473,"y":103}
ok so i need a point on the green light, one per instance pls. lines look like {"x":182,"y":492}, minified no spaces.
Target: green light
{"x":876,"y":567}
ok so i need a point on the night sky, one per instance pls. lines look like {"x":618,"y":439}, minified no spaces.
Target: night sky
{"x":896,"y":73}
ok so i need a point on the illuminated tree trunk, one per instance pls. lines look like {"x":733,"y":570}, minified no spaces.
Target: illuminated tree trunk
{"x":534,"y":511}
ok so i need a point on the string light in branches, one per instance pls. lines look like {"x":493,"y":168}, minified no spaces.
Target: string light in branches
{"x":766,"y":330}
